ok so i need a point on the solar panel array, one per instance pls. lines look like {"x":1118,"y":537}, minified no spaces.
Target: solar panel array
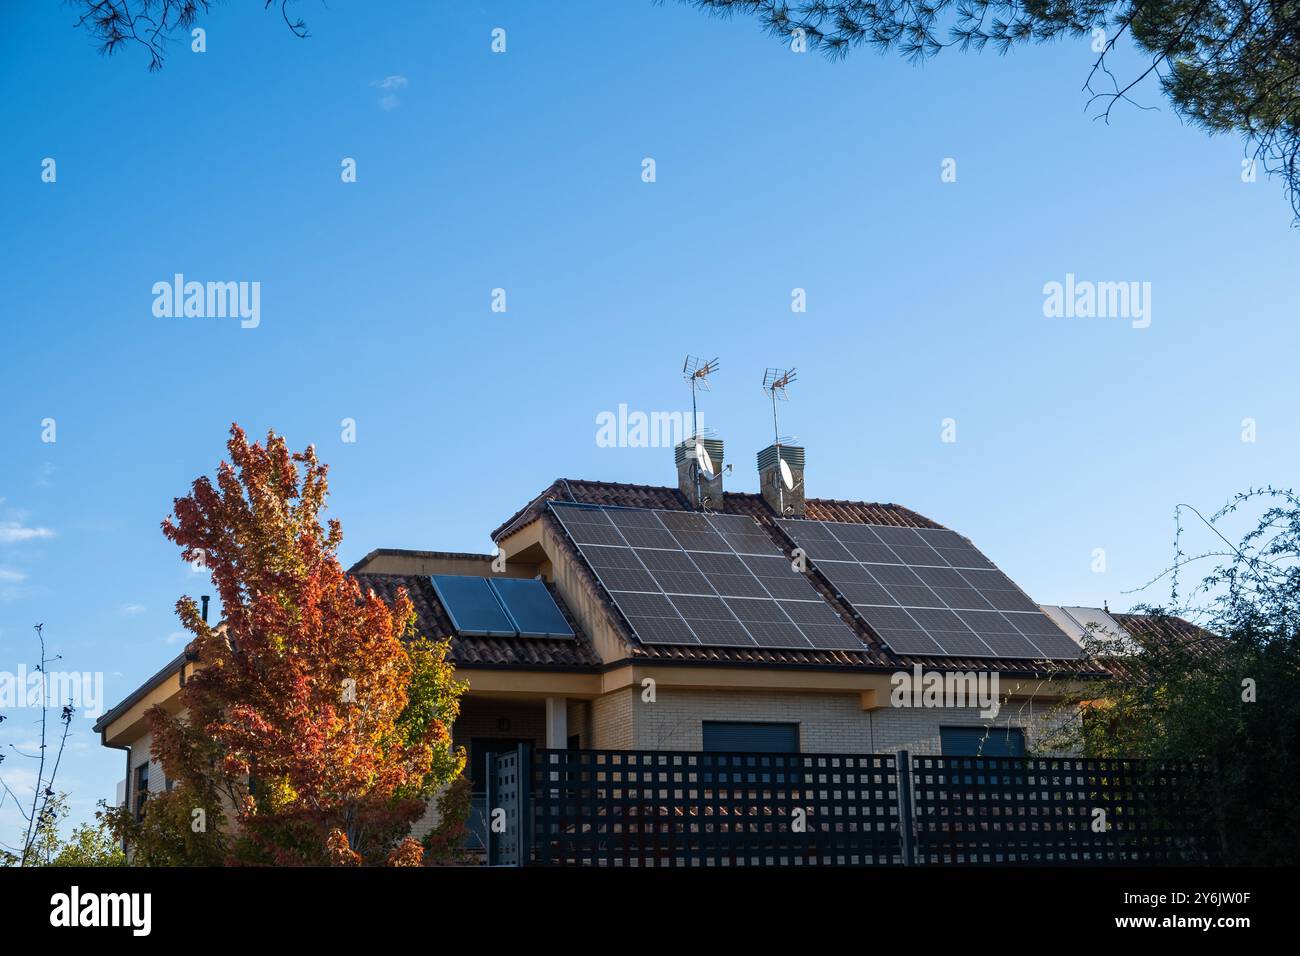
{"x":717,"y":580}
{"x":929,"y":591}
{"x":500,"y":607}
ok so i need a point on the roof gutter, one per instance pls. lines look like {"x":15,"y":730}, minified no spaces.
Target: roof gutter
{"x":136,"y":695}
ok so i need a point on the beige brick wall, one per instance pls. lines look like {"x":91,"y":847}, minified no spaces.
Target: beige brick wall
{"x":579,"y":721}
{"x":827,"y":722}
{"x":611,"y":721}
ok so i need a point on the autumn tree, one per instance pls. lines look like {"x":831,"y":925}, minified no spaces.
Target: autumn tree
{"x":315,"y":727}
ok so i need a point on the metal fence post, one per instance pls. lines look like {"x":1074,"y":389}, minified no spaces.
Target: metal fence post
{"x":490,"y":844}
{"x":525,"y":803}
{"x":903,"y":767}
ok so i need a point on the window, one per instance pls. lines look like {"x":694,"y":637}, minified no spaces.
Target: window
{"x":141,"y":789}
{"x":751,"y":737}
{"x":982,"y":741}
{"x":722,"y":736}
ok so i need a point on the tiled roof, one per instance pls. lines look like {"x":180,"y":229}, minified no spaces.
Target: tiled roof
{"x":874,"y":656}
{"x":466,"y":651}
{"x":1162,"y":628}
{"x":1150,"y":630}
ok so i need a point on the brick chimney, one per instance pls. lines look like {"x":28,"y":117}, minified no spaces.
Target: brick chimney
{"x":787,"y":502}
{"x":709,"y":495}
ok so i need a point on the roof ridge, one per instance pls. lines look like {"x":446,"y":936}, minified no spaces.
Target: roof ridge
{"x":418,"y":552}
{"x":598,"y":492}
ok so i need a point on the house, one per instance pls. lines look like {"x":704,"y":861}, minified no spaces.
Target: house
{"x":797,"y":649}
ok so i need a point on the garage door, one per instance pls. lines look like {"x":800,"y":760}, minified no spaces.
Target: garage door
{"x":729,"y":736}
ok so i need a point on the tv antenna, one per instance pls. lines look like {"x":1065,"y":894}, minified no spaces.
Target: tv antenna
{"x":775,"y":383}
{"x":697,"y":372}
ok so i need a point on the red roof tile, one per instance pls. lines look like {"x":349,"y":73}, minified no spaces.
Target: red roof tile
{"x":1153,"y":630}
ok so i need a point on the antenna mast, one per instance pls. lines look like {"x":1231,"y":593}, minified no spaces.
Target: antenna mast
{"x":697,"y":372}
{"x":775,"y":382}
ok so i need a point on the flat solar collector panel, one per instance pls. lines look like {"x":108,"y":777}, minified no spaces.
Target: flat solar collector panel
{"x":532,"y":607}
{"x":472,"y":606}
{"x":501,"y":607}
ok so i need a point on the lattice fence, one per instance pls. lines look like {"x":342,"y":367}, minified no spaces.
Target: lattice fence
{"x":675,"y":808}
{"x":650,"y":808}
{"x":1037,"y":810}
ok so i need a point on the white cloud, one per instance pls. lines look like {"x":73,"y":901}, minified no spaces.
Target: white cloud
{"x":177,"y":637}
{"x":390,"y":101}
{"x":130,"y":610}
{"x":10,"y":576}
{"x":12,"y":532}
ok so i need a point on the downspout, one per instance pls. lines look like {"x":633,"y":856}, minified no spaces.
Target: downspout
{"x":126,"y":790}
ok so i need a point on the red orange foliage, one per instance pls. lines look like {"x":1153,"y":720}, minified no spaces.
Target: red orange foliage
{"x":316,"y":717}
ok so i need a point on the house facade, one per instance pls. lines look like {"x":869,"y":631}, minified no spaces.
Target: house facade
{"x":824,"y":679}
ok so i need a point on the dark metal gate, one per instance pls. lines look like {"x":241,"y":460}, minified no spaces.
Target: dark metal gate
{"x":508,"y":811}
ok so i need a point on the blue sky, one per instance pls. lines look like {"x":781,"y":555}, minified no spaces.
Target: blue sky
{"x":522,"y":171}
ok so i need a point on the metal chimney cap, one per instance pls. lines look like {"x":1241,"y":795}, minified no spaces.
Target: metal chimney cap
{"x":792,"y":455}
{"x":685,"y":451}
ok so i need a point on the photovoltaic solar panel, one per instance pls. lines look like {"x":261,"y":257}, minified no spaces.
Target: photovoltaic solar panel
{"x":929,"y":591}
{"x":688,"y":578}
